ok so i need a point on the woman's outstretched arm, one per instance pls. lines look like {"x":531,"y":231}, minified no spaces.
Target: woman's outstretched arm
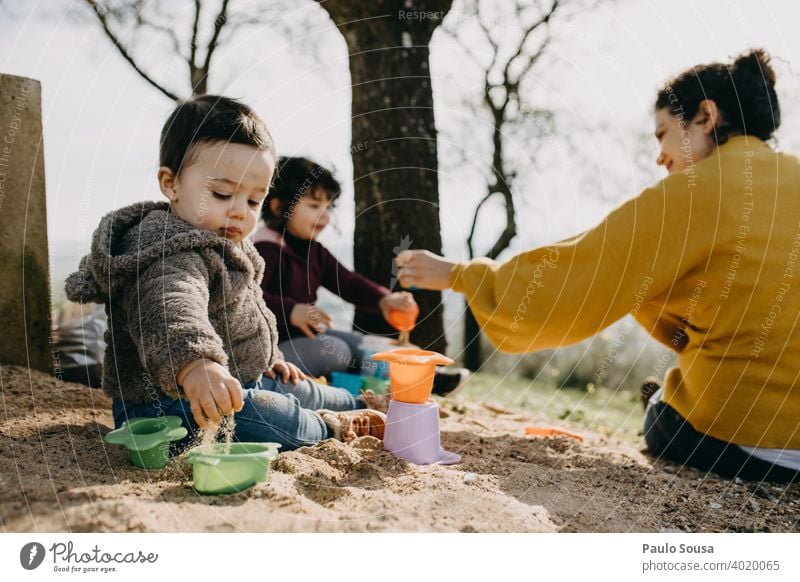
{"x":563,"y":293}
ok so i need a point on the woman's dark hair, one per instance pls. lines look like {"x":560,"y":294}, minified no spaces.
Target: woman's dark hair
{"x":743,"y":91}
{"x":210,"y":119}
{"x":294,"y":179}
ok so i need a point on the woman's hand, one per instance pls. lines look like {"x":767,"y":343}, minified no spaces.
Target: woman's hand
{"x":287,"y":371}
{"x":423,"y":270}
{"x":210,"y":390}
{"x":310,"y":319}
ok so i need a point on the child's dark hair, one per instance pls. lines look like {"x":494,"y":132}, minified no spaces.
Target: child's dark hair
{"x":210,"y":119}
{"x":294,"y":179}
{"x":743,"y":91}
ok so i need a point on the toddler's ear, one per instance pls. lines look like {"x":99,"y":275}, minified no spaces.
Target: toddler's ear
{"x":166,"y":181}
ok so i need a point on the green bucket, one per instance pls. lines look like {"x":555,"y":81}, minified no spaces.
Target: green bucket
{"x":147,"y":439}
{"x":229,"y":468}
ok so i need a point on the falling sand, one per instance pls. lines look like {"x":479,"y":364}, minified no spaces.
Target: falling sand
{"x":214,"y":432}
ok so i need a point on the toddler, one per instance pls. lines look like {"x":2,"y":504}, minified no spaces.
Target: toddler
{"x":189,"y":334}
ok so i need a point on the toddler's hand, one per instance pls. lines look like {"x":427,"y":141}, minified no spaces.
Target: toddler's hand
{"x":399,"y":301}
{"x":210,"y":390}
{"x":402,"y":300}
{"x":310,"y":319}
{"x":287,"y":371}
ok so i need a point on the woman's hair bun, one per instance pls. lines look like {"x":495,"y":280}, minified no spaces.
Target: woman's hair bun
{"x":743,"y":90}
{"x":755,"y":62}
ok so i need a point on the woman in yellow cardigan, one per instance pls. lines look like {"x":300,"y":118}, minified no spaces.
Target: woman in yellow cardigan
{"x":707,"y":260}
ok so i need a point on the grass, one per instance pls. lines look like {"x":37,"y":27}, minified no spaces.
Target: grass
{"x":616,"y":413}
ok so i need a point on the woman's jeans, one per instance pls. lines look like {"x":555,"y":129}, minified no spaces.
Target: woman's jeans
{"x":331,"y":351}
{"x":670,"y":436}
{"x":273,"y":412}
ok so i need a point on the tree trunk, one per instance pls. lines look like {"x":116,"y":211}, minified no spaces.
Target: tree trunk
{"x":393,"y":146}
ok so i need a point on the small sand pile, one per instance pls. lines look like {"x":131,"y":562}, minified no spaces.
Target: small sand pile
{"x":56,"y":474}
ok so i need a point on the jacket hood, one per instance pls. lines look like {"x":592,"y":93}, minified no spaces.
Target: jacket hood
{"x":266,"y":234}
{"x":128,"y":240}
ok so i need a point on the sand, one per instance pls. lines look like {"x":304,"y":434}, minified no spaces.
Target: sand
{"x":58,"y":475}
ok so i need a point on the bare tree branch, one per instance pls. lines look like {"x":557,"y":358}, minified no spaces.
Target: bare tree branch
{"x":101,"y":17}
{"x":533,"y":59}
{"x":179,"y":29}
{"x":530,"y":29}
{"x":488,"y":34}
{"x":219,"y":23}
{"x":193,"y":41}
{"x":477,"y":212}
{"x":144,"y":22}
{"x":163,"y":29}
{"x":511,"y":61}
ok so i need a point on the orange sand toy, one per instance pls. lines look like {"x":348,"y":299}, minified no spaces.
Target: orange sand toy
{"x":411,"y":373}
{"x":542,"y":431}
{"x":403,"y":320}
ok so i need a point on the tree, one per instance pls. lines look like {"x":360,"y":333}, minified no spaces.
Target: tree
{"x":394,"y":143}
{"x":505,"y":40}
{"x":393,"y":130}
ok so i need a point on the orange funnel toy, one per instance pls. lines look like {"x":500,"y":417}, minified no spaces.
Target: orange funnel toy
{"x":411,"y":373}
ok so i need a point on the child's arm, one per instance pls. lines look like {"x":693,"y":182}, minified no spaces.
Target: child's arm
{"x":566,"y":292}
{"x":350,"y":286}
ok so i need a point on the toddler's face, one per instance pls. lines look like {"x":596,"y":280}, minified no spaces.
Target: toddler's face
{"x":309,"y":217}
{"x":222,"y":189}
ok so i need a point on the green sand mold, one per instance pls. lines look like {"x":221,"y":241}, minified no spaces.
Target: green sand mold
{"x":147,"y":439}
{"x":229,"y":468}
{"x":377,"y":385}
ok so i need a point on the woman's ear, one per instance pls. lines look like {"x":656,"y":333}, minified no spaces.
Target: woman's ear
{"x":710,"y":116}
{"x":166,"y":182}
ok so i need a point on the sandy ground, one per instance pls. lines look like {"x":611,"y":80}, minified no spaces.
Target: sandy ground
{"x":56,"y":474}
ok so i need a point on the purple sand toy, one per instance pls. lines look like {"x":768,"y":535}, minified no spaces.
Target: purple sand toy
{"x":412,"y":433}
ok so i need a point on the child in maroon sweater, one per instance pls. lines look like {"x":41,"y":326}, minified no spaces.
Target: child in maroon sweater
{"x":296,"y":211}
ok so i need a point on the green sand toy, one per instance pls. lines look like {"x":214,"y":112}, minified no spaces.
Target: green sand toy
{"x":147,"y":439}
{"x":377,"y":385}
{"x":230,"y":468}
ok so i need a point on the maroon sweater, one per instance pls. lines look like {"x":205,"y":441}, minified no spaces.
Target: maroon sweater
{"x":295,"y":269}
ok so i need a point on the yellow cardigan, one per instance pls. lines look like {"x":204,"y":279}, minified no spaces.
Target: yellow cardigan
{"x":707,"y":260}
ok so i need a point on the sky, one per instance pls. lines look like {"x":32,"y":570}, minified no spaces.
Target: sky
{"x":101,"y":120}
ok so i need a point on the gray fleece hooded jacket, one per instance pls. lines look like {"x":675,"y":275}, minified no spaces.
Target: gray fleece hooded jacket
{"x":173,"y":293}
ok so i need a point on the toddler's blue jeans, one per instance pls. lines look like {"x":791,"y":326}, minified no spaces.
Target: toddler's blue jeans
{"x":272,"y":412}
